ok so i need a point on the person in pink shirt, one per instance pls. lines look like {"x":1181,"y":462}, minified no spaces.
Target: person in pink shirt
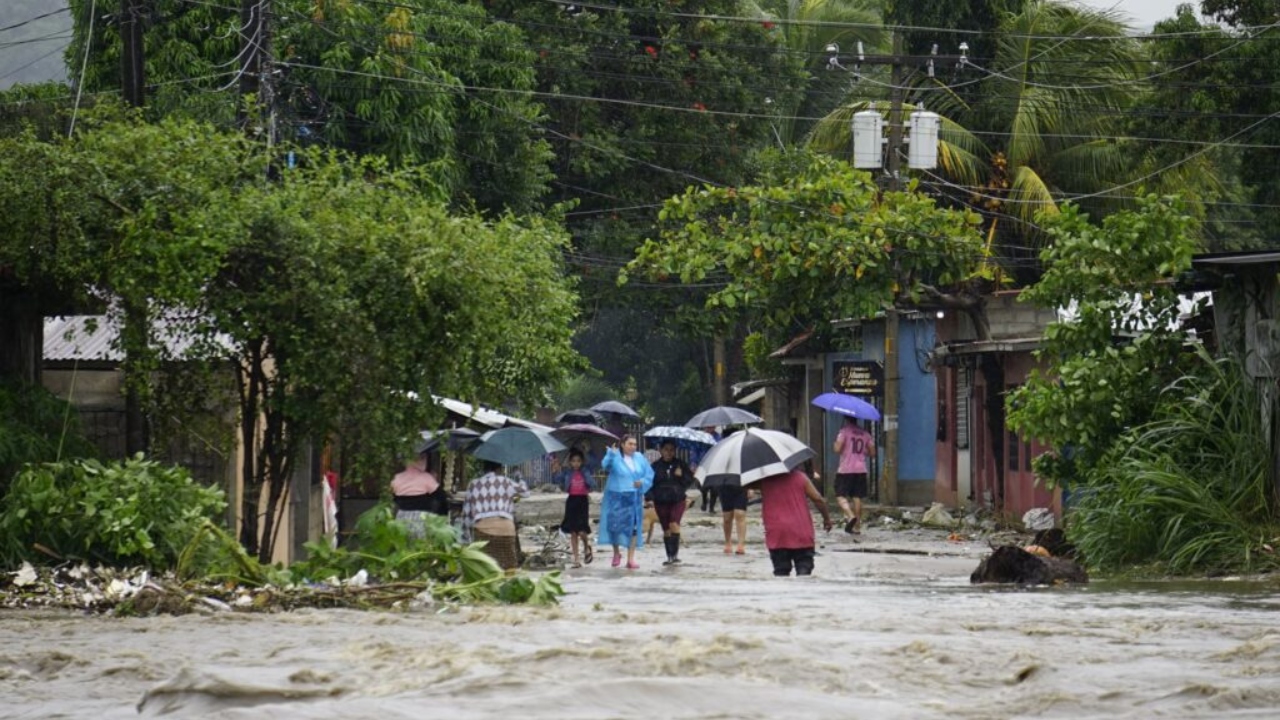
{"x":577,"y":507}
{"x":855,"y":446}
{"x":788,"y":524}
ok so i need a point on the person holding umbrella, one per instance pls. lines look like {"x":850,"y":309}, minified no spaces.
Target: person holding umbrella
{"x":855,"y":446}
{"x":671,"y":481}
{"x":630,"y":477}
{"x":577,"y":507}
{"x":788,"y":526}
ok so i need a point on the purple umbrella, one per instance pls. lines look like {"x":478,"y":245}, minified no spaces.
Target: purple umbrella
{"x":850,"y":405}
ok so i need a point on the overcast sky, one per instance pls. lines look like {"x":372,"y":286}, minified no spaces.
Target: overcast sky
{"x":1143,"y":14}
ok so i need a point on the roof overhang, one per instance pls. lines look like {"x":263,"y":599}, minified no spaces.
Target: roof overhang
{"x":987,"y":347}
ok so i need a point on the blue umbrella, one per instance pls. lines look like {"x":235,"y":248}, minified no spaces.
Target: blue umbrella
{"x":514,"y":445}
{"x":850,"y":405}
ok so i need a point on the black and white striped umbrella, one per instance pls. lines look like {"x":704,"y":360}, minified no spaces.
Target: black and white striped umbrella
{"x":749,"y":456}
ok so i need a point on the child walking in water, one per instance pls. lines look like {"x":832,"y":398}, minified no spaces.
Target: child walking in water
{"x":577,"y":507}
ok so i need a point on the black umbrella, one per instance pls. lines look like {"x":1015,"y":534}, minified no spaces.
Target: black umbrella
{"x":613,"y":407}
{"x":454,"y":439}
{"x":723,"y":415}
{"x":750,"y":456}
{"x":580,"y":416}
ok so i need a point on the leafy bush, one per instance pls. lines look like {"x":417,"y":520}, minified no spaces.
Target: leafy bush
{"x":35,"y":426}
{"x":1192,"y":489}
{"x":137,"y":512}
{"x":384,"y":549}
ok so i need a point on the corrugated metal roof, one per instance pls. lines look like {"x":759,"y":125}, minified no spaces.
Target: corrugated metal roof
{"x":89,"y":338}
{"x":485,"y":416}
{"x":75,"y":338}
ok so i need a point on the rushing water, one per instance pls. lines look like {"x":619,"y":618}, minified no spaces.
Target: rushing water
{"x":873,"y":635}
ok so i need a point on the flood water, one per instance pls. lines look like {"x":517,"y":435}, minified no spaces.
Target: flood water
{"x":872,"y":635}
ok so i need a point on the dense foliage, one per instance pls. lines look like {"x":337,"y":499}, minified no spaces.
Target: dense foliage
{"x":135,"y":512}
{"x":343,"y":292}
{"x":36,"y":427}
{"x":815,"y":240}
{"x":1096,"y":387}
{"x":1189,"y":490}
{"x":1162,"y":449}
{"x":384,"y":548}
{"x":429,"y":83}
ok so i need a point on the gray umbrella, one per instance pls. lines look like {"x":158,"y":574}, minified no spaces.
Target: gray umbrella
{"x":613,"y":407}
{"x":723,"y":415}
{"x":514,"y":445}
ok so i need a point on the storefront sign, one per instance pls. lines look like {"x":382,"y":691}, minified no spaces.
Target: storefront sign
{"x":864,"y":378}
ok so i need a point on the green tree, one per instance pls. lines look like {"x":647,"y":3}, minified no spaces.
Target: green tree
{"x":347,"y":298}
{"x":1030,"y":123}
{"x":815,"y":239}
{"x":436,"y":83}
{"x":1211,"y":94}
{"x":1163,"y":447}
{"x":341,"y":293}
{"x":1115,"y":276}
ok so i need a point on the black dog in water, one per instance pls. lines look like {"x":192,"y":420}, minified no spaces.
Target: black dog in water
{"x":1012,"y":564}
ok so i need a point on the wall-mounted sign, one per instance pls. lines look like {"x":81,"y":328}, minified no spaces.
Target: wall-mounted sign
{"x":864,"y":378}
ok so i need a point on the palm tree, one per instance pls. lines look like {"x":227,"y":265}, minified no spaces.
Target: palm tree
{"x":807,"y":28}
{"x":1030,"y":126}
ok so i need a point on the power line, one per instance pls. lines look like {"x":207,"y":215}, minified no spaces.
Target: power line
{"x":28,"y":21}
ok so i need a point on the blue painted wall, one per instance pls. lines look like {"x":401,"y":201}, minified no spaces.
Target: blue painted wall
{"x":917,"y":400}
{"x":917,"y":403}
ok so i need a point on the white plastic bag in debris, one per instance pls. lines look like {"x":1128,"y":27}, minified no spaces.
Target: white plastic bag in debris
{"x":938,"y":516}
{"x":1037,"y":519}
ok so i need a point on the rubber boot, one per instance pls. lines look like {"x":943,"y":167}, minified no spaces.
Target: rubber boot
{"x":673,"y":548}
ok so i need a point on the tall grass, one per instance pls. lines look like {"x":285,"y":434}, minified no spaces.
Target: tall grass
{"x":1192,"y":489}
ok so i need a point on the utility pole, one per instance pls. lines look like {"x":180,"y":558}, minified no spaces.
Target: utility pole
{"x":897,"y":62}
{"x":256,"y":66}
{"x":132,"y":59}
{"x":890,"y":469}
{"x":136,"y":329}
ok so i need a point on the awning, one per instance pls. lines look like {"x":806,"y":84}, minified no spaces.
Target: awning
{"x":485,"y":416}
{"x":940,"y":354}
{"x":751,"y":391}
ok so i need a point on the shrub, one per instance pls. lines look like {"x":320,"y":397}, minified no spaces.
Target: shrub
{"x":35,"y":426}
{"x":1192,"y":489}
{"x":136,"y":512}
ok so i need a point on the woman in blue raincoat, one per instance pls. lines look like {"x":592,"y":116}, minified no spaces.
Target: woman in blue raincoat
{"x":630,"y":477}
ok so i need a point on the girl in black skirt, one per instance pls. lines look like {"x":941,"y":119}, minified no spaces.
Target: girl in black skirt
{"x":577,"y":507}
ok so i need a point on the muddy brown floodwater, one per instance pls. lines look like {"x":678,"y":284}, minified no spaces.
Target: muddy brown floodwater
{"x":872,"y":635}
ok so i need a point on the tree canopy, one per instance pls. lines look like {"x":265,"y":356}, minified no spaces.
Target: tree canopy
{"x":342,"y":294}
{"x":813,"y":241}
{"x":432,"y":83}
